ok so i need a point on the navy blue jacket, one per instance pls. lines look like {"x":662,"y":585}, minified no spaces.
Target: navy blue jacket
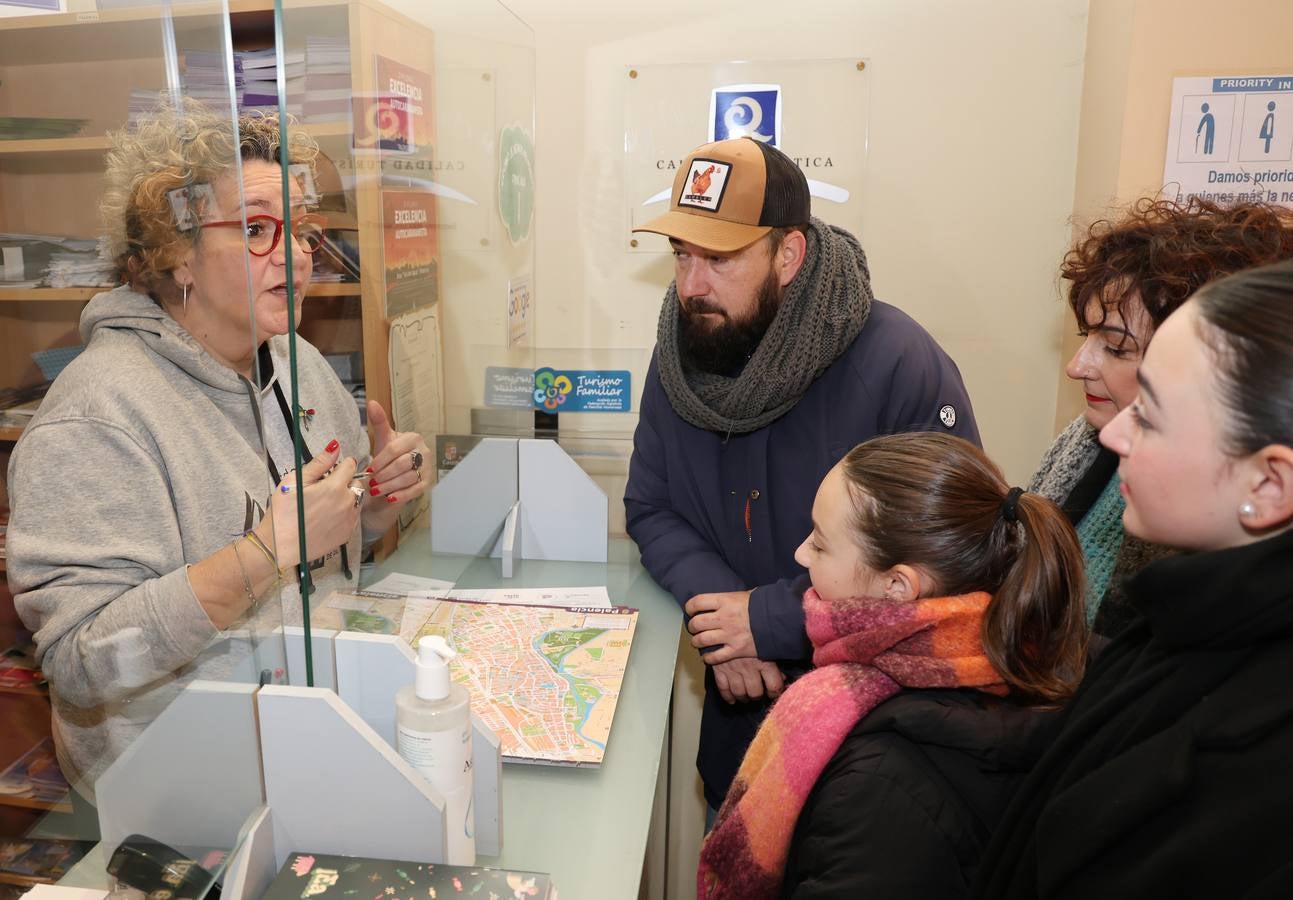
{"x":687,"y":490}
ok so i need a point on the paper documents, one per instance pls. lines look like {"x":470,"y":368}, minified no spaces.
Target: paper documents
{"x":566,"y":597}
{"x":400,"y":583}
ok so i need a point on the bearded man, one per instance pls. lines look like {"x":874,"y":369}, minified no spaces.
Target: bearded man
{"x":772,"y":361}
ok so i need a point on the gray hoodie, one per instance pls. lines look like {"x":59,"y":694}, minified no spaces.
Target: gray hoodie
{"x":146,"y":457}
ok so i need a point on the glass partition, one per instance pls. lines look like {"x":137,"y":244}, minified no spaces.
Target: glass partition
{"x":420,"y":298}
{"x":140,"y":312}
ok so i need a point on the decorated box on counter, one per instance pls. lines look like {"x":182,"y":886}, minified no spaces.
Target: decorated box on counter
{"x":307,"y":875}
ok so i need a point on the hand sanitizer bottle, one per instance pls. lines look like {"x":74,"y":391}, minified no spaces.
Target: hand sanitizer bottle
{"x":433,"y":734}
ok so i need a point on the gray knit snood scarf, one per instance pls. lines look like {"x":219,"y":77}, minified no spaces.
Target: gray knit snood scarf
{"x":821,"y":313}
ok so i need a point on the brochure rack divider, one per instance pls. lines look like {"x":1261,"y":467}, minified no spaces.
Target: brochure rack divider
{"x":289,"y":768}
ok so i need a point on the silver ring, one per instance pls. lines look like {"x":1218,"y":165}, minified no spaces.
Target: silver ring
{"x":417,"y":459}
{"x":359,"y":494}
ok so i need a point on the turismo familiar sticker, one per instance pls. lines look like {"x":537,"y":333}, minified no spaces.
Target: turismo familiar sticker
{"x":582,"y":390}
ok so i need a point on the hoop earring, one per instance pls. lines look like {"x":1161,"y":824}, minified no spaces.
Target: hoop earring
{"x":186,"y":299}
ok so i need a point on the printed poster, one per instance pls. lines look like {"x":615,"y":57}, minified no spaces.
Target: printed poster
{"x":411,"y":251}
{"x":520,"y":303}
{"x":397,"y":117}
{"x":1231,"y":139}
{"x":417,"y":385}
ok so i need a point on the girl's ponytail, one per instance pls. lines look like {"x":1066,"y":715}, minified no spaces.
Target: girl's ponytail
{"x":1034,"y":630}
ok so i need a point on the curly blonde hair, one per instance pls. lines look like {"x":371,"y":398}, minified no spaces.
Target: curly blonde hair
{"x":177,"y":147}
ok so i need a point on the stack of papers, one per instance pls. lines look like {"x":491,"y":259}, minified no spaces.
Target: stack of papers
{"x":36,"y":777}
{"x":206,"y":77}
{"x":260,"y":79}
{"x":71,"y":269}
{"x":327,"y":79}
{"x":17,"y":406}
{"x":31,"y":259}
{"x":143,"y":105}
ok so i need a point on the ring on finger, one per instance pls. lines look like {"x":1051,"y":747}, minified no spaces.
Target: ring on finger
{"x":416,"y":457}
{"x":359,"y":494}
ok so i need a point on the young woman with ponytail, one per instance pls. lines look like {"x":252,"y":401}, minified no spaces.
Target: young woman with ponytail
{"x":945,"y":608}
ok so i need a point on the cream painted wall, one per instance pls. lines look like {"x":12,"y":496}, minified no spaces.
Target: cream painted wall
{"x":974,"y":113}
{"x":1134,"y":49}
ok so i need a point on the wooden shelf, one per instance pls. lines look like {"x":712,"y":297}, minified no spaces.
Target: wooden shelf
{"x":28,"y":295}
{"x":10,"y":432}
{"x":145,"y":14}
{"x":99,"y":143}
{"x":81,"y":294}
{"x":334,"y":289}
{"x":91,"y":144}
{"x":27,"y":881}
{"x":28,"y":803}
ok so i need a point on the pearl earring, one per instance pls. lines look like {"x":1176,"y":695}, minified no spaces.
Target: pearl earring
{"x":1247,"y":510}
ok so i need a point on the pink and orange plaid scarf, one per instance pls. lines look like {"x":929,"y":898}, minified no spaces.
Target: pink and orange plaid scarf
{"x":865,"y":651}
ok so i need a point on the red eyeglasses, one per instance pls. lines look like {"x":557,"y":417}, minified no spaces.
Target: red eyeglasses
{"x":265,"y":231}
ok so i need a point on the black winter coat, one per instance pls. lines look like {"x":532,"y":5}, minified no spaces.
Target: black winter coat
{"x":1170,"y":774}
{"x":905,"y":807}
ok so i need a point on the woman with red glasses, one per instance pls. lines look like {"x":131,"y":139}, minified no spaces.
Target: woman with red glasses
{"x":152,"y":506}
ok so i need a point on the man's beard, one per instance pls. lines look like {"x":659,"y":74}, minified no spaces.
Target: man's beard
{"x":725,"y":348}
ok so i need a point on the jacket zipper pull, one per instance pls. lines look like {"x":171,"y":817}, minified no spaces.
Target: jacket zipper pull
{"x":749,"y":531}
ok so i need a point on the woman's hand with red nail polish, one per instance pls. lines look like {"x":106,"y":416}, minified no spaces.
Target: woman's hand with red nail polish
{"x":400,"y":468}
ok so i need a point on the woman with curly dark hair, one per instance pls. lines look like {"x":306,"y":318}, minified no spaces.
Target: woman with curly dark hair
{"x":1126,"y":277}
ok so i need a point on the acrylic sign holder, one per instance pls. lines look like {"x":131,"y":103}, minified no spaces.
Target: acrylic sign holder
{"x":525,"y":499}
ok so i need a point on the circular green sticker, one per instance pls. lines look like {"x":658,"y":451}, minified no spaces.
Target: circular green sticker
{"x":516,"y":182}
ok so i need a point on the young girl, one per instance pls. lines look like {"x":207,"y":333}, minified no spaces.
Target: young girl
{"x":1170,"y":775}
{"x":943,"y":603}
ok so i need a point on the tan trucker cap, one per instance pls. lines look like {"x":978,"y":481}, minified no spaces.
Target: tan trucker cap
{"x":729,"y":194}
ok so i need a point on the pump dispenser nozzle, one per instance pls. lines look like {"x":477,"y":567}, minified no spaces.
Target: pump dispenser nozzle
{"x":432,"y":681}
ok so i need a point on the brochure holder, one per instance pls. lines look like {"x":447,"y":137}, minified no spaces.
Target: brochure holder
{"x":522,"y":498}
{"x":332,"y":781}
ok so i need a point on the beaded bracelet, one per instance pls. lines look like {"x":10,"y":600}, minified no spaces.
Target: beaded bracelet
{"x":269,"y":554}
{"x":246,"y":582}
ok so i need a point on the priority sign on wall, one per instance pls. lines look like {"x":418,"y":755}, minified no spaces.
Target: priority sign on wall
{"x":1231,"y":139}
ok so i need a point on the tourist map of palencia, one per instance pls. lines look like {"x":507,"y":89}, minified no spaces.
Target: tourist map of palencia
{"x":545,"y":679}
